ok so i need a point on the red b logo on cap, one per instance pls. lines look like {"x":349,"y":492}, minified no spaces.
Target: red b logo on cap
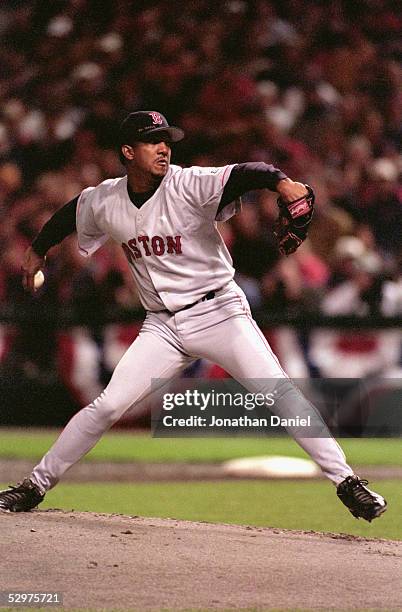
{"x":156,"y":118}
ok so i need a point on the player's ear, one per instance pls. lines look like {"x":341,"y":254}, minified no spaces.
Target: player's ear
{"x":127,"y":152}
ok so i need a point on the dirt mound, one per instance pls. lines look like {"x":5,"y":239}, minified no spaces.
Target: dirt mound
{"x":101,"y":561}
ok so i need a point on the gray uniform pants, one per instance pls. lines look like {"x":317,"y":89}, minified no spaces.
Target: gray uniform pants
{"x":221,"y":330}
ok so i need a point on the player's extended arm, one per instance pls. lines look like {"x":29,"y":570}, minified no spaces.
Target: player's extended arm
{"x":258,"y":175}
{"x":59,"y":226}
{"x":295,"y":202}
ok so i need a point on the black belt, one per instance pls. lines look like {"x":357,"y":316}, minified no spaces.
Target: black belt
{"x":208,"y":296}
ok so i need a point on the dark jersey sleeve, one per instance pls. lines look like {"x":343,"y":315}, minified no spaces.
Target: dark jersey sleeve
{"x":59,"y":226}
{"x":247,"y":177}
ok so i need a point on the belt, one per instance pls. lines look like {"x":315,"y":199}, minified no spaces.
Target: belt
{"x":208,"y":296}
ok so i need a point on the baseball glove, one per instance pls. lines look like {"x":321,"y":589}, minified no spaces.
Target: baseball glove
{"x":291,"y":226}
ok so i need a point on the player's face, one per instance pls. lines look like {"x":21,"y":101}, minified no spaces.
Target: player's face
{"x":152,"y":157}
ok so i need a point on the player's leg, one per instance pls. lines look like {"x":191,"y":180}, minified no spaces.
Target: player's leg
{"x":237,"y":344}
{"x":241,"y":349}
{"x":150,"y":356}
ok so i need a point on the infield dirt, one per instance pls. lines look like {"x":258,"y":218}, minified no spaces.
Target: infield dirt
{"x":101,"y":561}
{"x":101,"y":471}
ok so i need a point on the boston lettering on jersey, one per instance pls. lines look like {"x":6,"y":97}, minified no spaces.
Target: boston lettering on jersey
{"x":156,"y":245}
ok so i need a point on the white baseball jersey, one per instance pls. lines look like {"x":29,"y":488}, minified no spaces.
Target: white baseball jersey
{"x":177,"y":255}
{"x":174,"y":249}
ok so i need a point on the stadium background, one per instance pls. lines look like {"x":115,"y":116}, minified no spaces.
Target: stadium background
{"x":312,"y":87}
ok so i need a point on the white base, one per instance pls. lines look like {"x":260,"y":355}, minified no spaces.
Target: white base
{"x":271,"y":467}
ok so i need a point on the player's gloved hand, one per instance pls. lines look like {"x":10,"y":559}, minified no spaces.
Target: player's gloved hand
{"x":291,"y":226}
{"x":31,"y":264}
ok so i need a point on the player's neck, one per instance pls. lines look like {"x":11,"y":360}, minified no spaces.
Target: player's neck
{"x":141,"y":182}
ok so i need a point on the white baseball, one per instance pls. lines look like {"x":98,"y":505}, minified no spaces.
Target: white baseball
{"x":39,"y":279}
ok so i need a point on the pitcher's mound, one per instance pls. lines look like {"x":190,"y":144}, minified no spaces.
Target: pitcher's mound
{"x":101,"y":561}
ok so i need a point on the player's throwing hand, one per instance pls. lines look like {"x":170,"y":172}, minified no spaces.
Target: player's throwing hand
{"x":31,"y":264}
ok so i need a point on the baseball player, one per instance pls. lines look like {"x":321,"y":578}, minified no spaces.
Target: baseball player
{"x":164,"y":217}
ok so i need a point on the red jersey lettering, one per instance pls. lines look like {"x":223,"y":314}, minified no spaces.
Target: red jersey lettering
{"x":128,"y":253}
{"x":133,"y":246}
{"x":158,"y":245}
{"x":174,"y":244}
{"x":144,"y":241}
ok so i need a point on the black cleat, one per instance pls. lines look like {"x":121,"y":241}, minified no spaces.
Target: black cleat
{"x":361,"y":502}
{"x":21,"y":498}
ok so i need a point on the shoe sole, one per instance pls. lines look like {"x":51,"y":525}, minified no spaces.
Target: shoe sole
{"x":378,"y":511}
{"x":10,"y":510}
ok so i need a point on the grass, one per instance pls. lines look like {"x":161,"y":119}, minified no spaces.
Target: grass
{"x":117,"y":446}
{"x":288,"y":505}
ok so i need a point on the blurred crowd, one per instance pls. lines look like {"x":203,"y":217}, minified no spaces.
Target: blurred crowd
{"x":313,"y":87}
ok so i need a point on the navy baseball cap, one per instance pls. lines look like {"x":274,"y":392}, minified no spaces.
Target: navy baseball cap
{"x":141,"y":126}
